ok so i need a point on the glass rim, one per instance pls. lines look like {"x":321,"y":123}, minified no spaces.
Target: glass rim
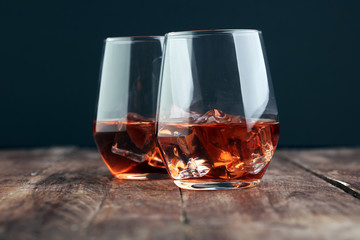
{"x":133,"y":38}
{"x":211,"y":32}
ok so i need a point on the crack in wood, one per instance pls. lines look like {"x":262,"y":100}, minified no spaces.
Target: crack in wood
{"x":183,"y":218}
{"x":336,"y":183}
{"x":106,"y":192}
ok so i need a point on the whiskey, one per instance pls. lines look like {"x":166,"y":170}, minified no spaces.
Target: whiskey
{"x":237,"y":149}
{"x":129,"y":148}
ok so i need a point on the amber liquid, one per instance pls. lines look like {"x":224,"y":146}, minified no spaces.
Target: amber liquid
{"x":129,"y":148}
{"x":231,"y":151}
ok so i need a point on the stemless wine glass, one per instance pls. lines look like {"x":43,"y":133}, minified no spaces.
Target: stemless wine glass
{"x":124,"y":129}
{"x":217,"y":120}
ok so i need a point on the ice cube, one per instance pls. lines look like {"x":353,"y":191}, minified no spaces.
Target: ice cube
{"x":225,"y":159}
{"x":154,"y":158}
{"x":195,"y":168}
{"x":182,"y":166}
{"x":134,"y":117}
{"x":262,"y":155}
{"x":188,"y":142}
{"x":217,"y":116}
{"x":177,"y":112}
{"x":213,"y":116}
{"x":134,"y":139}
{"x":128,"y":154}
{"x":176,"y":165}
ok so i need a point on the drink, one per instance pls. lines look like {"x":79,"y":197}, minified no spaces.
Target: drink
{"x":207,"y":89}
{"x":129,"y":148}
{"x":230,"y":151}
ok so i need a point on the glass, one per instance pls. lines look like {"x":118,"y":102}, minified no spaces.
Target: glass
{"x":124,"y":129}
{"x":217,"y":120}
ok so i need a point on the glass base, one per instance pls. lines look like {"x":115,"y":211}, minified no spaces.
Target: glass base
{"x":215,"y":185}
{"x":142,"y":176}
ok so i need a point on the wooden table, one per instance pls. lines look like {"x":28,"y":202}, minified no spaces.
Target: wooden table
{"x":68,"y":193}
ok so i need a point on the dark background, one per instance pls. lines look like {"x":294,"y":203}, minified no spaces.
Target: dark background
{"x":51,"y":52}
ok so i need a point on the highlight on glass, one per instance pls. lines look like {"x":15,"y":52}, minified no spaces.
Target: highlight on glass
{"x":124,"y":126}
{"x":217,"y":120}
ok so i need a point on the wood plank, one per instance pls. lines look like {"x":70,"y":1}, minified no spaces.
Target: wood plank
{"x":339,"y":166}
{"x":139,"y":210}
{"x":50,"y":193}
{"x":289,"y":204}
{"x":69,"y":194}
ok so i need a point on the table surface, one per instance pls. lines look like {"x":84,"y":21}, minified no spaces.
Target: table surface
{"x":68,"y":193}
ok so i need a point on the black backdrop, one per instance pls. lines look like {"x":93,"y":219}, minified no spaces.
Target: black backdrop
{"x":51,"y":51}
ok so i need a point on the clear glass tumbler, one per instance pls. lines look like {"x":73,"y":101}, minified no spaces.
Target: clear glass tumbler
{"x":217,"y":120}
{"x":124,"y":129}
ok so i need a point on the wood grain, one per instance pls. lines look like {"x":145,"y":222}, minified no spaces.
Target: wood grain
{"x":139,"y":210}
{"x":68,"y":193}
{"x":340,"y":167}
{"x":49,"y":193}
{"x":289,"y":204}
